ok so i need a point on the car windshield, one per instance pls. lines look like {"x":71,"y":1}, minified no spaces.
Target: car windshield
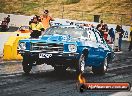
{"x":74,"y":32}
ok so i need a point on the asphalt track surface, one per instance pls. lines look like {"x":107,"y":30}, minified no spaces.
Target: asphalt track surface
{"x":43,"y":81}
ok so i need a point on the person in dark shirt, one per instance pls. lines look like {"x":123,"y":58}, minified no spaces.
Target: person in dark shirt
{"x":4,"y":25}
{"x":8,"y":19}
{"x":105,"y":31}
{"x":112,"y":34}
{"x":100,"y":28}
{"x":120,"y":31}
{"x":130,"y":45}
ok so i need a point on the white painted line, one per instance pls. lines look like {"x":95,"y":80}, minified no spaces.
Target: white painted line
{"x":118,"y":52}
{"x":120,"y":67}
{"x":123,"y":93}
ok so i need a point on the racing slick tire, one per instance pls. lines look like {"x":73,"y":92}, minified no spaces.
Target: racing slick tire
{"x":26,"y":66}
{"x":81,"y":64}
{"x":102,"y":69}
{"x":60,"y":68}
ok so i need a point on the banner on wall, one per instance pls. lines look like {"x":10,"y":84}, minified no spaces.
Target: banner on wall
{"x":21,"y":20}
{"x":126,"y":31}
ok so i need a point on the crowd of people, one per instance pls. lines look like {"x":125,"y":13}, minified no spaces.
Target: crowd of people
{"x":38,"y":24}
{"x":104,"y":31}
{"x":4,"y":26}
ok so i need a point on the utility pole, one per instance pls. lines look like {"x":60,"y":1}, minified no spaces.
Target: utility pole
{"x":82,"y":15}
{"x":62,"y":10}
{"x":22,"y":5}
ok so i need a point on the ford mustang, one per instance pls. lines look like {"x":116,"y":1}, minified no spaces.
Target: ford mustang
{"x":67,"y":46}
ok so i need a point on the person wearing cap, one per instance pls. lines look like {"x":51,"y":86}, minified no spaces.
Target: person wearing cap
{"x":36,"y":28}
{"x":45,"y":19}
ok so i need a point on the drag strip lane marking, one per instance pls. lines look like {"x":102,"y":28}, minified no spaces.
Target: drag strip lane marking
{"x":123,"y":93}
{"x":117,"y":68}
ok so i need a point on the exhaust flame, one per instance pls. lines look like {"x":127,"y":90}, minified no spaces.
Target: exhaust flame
{"x":81,"y":79}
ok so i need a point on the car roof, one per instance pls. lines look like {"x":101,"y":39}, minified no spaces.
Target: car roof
{"x":67,"y":26}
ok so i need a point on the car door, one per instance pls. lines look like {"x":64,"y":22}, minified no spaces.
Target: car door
{"x":101,"y":47}
{"x":92,"y":47}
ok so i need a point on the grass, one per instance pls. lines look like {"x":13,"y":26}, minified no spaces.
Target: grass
{"x":2,"y":5}
{"x":70,"y":1}
{"x":110,"y":10}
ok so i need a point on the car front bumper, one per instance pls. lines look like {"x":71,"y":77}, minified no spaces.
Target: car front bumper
{"x":56,"y":58}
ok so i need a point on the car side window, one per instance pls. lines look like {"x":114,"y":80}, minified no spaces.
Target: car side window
{"x":99,"y":39}
{"x":91,"y":36}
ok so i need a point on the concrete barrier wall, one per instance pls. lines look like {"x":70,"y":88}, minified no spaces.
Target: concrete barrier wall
{"x":19,"y":20}
{"x":16,"y":20}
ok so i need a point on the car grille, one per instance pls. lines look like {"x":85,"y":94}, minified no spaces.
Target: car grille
{"x":47,"y":47}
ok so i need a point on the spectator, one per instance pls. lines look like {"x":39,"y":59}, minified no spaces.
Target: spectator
{"x":4,"y":25}
{"x":8,"y":20}
{"x":45,"y":19}
{"x":130,"y":46}
{"x":105,"y":31}
{"x":99,"y":28}
{"x":36,"y":28}
{"x":120,"y":31}
{"x":31,"y":21}
{"x":39,"y":18}
{"x":112,"y":35}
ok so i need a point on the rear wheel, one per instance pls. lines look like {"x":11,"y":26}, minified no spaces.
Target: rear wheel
{"x":26,"y":66}
{"x":102,"y":69}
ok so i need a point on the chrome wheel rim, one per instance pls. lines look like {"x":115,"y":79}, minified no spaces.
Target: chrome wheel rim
{"x":105,"y":64}
{"x":82,"y":64}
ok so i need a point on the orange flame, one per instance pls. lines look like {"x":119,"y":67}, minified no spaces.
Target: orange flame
{"x":81,"y":79}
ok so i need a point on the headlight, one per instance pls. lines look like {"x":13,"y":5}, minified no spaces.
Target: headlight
{"x":72,"y":48}
{"x":22,"y":45}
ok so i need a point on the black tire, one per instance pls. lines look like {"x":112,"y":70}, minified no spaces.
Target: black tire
{"x":81,"y":64}
{"x":102,"y":69}
{"x":60,"y":68}
{"x":26,"y":67}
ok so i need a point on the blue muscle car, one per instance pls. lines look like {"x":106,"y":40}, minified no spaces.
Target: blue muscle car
{"x":67,"y":46}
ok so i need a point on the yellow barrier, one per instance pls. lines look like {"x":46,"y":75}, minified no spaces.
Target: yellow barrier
{"x":17,"y":56}
{"x":10,"y":48}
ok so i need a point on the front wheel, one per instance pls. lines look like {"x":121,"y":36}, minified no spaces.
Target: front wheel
{"x":26,"y":66}
{"x":60,"y":68}
{"x":102,"y":69}
{"x":81,"y":64}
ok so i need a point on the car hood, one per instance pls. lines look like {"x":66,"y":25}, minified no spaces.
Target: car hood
{"x":52,"y":39}
{"x":56,"y":38}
